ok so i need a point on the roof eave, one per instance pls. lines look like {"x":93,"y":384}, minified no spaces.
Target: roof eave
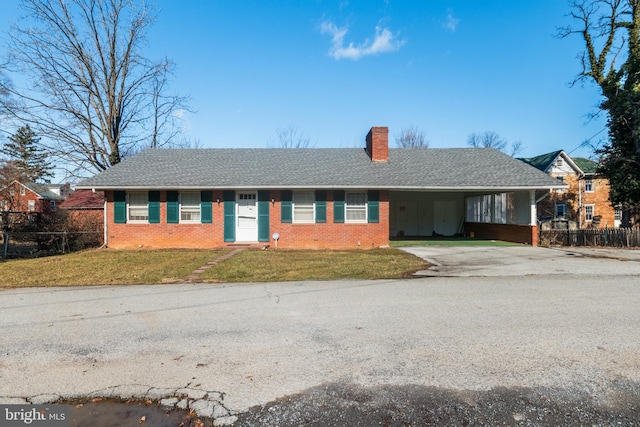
{"x":333,"y":187}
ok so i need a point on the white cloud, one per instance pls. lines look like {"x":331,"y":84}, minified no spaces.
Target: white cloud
{"x":451,"y":23}
{"x":384,"y":41}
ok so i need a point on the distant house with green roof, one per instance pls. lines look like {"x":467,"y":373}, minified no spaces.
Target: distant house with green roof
{"x":586,"y":201}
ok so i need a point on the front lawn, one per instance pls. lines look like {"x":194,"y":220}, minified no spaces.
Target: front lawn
{"x":104,"y":267}
{"x":116,"y":267}
{"x":295,"y":265}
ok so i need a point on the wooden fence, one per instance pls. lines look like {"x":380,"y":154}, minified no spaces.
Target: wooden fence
{"x":603,"y":237}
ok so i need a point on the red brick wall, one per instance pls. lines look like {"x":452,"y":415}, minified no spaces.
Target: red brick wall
{"x":527,"y":234}
{"x":311,"y":236}
{"x":600,"y":198}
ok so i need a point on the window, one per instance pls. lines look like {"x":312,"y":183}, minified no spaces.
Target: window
{"x":138,"y":208}
{"x":559,"y":162}
{"x":303,"y":206}
{"x":479,"y":208}
{"x":588,"y":212}
{"x":31,"y":205}
{"x":588,"y":185}
{"x":3,"y":205}
{"x":500,"y":208}
{"x":12,"y":191}
{"x":561,"y":211}
{"x":190,"y":207}
{"x":22,"y":191}
{"x":52,"y":205}
{"x":356,"y":207}
{"x":617,"y":214}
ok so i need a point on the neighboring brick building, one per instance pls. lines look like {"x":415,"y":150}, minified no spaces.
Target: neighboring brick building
{"x":586,"y":201}
{"x":32,"y":198}
{"x":85,"y":209}
{"x":317,"y":198}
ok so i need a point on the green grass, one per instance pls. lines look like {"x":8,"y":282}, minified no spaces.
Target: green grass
{"x":104,"y":267}
{"x":293,"y":265}
{"x":115,"y":267}
{"x":450,"y":241}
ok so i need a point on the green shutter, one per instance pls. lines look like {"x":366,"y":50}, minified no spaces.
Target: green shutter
{"x":338,"y":206}
{"x":321,"y":206}
{"x":205,"y":207}
{"x":263,"y":216}
{"x":119,"y":207}
{"x":229,"y":216}
{"x":373,"y":207}
{"x":154,"y":207}
{"x":173,"y":208}
{"x":286,"y":206}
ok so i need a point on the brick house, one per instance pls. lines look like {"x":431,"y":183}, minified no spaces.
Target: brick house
{"x":32,"y":198}
{"x":85,"y":209}
{"x":586,"y":201}
{"x":317,"y":198}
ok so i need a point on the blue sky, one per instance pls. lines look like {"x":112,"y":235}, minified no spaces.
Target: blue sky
{"x":333,"y":69}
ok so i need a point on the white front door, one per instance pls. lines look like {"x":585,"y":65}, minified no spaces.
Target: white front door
{"x":247,"y":217}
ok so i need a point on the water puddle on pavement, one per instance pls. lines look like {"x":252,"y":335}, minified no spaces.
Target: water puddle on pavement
{"x":108,"y":413}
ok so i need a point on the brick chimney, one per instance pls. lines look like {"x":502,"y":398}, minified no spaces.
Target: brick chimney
{"x":378,"y":144}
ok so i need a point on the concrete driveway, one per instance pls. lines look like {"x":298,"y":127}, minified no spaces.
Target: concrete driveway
{"x":525,"y":260}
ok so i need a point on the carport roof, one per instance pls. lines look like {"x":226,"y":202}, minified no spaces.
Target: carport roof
{"x":437,"y":169}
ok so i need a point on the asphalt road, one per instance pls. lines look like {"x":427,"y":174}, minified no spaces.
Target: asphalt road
{"x":573,"y":333}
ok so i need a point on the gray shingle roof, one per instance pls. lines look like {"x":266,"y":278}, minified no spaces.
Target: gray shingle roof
{"x":426,"y":169}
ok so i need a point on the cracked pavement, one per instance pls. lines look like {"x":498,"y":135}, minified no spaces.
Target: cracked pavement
{"x":244,"y":345}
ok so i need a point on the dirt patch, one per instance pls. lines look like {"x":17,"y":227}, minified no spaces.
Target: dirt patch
{"x":113,"y":413}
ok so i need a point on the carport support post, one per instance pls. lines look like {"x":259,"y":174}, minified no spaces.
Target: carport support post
{"x":533,"y":215}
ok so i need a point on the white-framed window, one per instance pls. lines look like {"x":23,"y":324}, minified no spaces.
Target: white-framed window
{"x":561,"y":210}
{"x":479,"y":208}
{"x":190,"y":206}
{"x":617,"y":214}
{"x":31,"y":205}
{"x":304,"y":206}
{"x":588,"y":185}
{"x":356,"y":206}
{"x":559,"y":162}
{"x":12,"y":191}
{"x":500,"y":208}
{"x":22,"y":191}
{"x":138,"y":206}
{"x":588,"y":212}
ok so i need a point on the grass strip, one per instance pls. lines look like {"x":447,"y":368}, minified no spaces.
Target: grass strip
{"x":297,"y":265}
{"x":104,"y":267}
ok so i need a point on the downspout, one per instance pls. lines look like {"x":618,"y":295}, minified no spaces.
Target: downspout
{"x":579,"y":202}
{"x":104,"y":220}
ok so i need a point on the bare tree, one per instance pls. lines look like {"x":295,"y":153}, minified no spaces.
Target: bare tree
{"x":290,"y":137}
{"x":517,"y":147}
{"x":94,"y":97}
{"x":412,"y":137}
{"x":490,"y":139}
{"x":5,"y":84}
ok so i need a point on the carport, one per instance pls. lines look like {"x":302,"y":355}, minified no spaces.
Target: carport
{"x":499,"y":213}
